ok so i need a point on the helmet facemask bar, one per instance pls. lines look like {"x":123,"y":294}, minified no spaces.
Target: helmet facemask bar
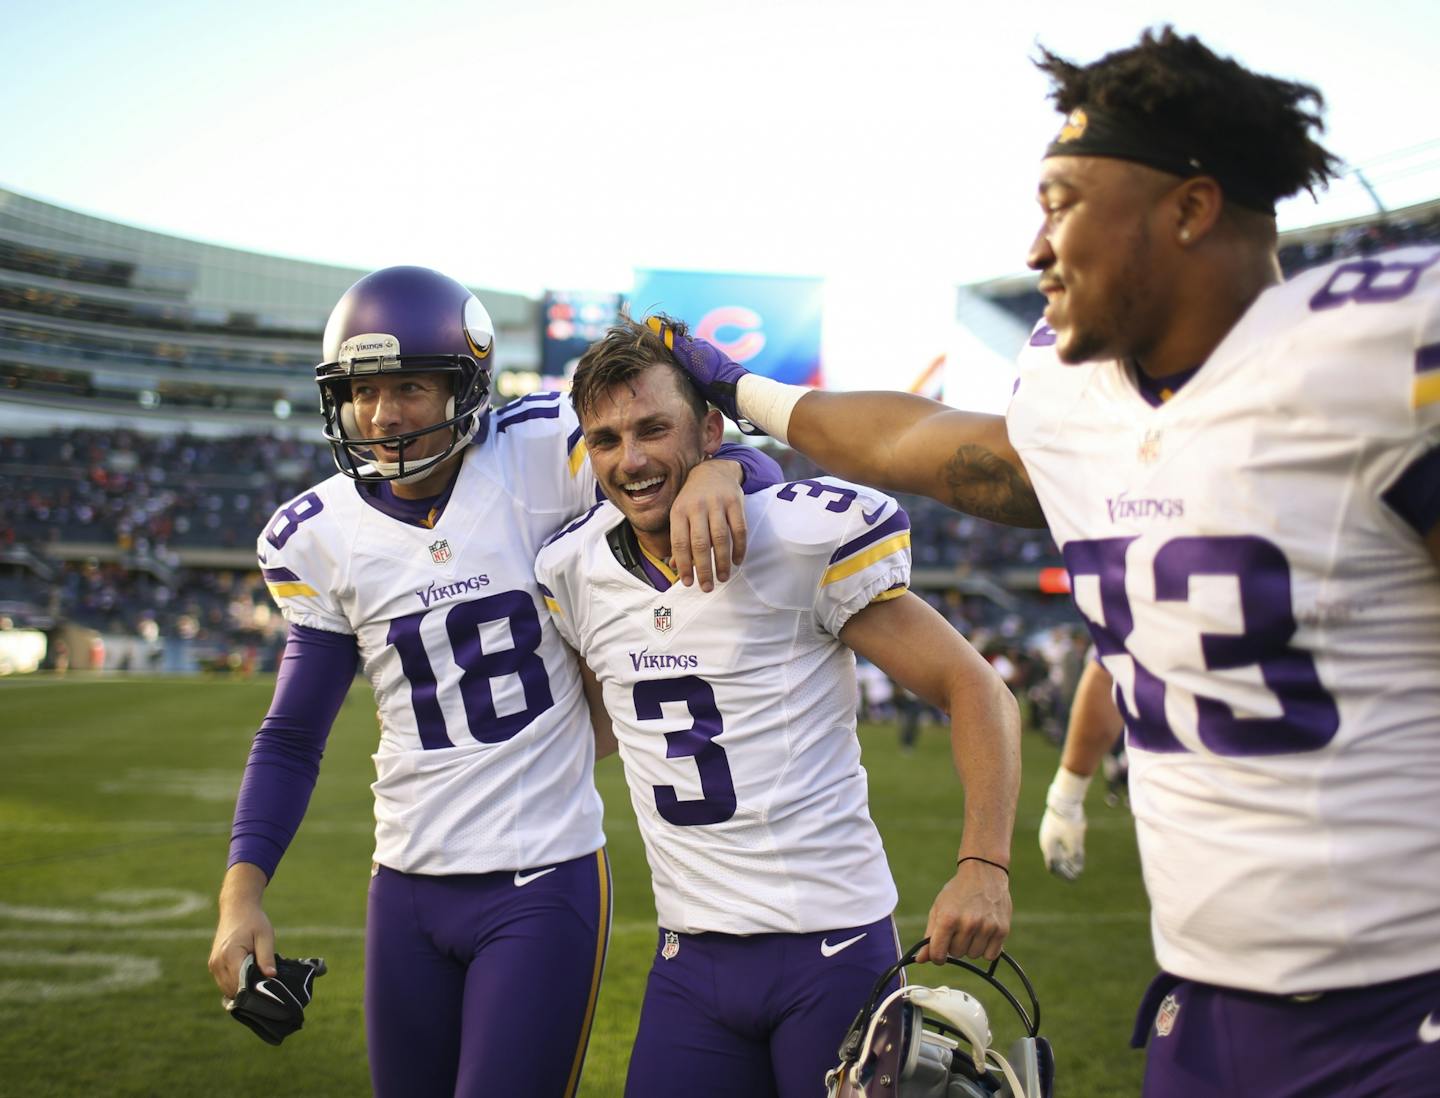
{"x":355,"y":456}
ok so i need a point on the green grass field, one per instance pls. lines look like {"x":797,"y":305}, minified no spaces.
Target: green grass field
{"x":115,"y":801}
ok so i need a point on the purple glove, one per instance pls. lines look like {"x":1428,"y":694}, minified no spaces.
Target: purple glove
{"x":714,"y":374}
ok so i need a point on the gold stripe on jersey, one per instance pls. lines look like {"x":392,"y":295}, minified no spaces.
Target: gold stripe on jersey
{"x":848,"y":567}
{"x":1427,"y":389}
{"x":886,"y":596}
{"x":553,"y":606}
{"x":602,"y":940}
{"x":665,"y":569}
{"x":290,"y":590}
{"x":577,"y":456}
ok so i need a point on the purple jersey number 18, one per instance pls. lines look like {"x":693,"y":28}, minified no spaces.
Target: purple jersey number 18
{"x":477,"y":667}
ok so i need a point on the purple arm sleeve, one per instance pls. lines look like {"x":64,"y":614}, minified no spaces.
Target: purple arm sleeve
{"x":314,"y":676}
{"x":761,"y":470}
{"x":1415,"y":495}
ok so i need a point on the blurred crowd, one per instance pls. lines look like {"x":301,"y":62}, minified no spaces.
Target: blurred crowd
{"x":1359,"y":240}
{"x":100,"y":529}
{"x":148,"y":493}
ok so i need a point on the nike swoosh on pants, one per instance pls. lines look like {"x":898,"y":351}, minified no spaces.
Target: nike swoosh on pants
{"x":828,"y":950}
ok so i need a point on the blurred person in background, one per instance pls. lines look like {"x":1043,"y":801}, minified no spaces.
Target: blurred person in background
{"x":1094,"y":729}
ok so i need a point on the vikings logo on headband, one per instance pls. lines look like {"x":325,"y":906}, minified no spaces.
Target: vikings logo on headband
{"x":1090,"y":130}
{"x":1074,"y":127}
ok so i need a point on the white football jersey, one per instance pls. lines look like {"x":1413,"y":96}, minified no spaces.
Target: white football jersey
{"x":735,"y":710}
{"x":1272,"y":624}
{"x":486,"y":748}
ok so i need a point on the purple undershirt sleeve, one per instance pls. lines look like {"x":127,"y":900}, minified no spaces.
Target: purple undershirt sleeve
{"x":761,"y":470}
{"x":1415,"y":495}
{"x":314,"y":676}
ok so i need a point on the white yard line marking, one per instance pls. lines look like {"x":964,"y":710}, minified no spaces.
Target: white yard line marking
{"x":163,"y":903}
{"x":118,"y":971}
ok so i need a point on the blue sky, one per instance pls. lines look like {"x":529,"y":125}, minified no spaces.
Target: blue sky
{"x":539,"y":143}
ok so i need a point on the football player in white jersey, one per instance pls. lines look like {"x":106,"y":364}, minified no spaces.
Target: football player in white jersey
{"x":1243,"y":475}
{"x":735,"y":716}
{"x":489,"y":898}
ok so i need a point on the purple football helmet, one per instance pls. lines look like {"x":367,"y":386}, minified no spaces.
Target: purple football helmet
{"x":404,"y":320}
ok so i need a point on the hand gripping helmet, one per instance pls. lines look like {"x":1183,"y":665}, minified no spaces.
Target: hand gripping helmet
{"x":935,"y":1042}
{"x":404,"y":320}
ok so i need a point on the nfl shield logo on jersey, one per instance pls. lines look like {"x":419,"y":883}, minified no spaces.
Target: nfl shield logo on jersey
{"x":672,"y":945}
{"x":440,"y":551}
{"x":663,"y":619}
{"x":1165,"y":1016}
{"x":1149,"y":451}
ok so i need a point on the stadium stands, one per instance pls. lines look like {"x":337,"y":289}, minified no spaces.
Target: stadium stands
{"x":156,"y":406}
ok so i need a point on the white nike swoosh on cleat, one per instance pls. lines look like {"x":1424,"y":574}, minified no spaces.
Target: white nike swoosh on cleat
{"x":522,"y":878}
{"x":827,"y":950}
{"x":1430,"y":1029}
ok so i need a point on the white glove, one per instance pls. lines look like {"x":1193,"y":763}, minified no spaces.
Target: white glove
{"x":1062,"y":828}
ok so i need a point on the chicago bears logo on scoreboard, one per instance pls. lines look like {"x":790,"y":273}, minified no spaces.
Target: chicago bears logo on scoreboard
{"x":769,"y":323}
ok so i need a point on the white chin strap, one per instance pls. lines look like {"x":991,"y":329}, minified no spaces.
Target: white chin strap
{"x":420,"y":467}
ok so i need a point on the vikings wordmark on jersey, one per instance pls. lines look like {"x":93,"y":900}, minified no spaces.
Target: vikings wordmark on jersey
{"x":1258,"y":587}
{"x":736,"y":719}
{"x":486,"y":747}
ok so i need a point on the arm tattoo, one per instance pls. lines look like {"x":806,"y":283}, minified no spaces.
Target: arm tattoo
{"x":989,"y":487}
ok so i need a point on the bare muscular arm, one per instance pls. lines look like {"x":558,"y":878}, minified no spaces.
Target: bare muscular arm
{"x":905,"y":443}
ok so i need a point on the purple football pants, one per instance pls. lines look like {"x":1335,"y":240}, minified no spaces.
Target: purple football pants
{"x":1381,"y":1041}
{"x":757,"y":1015}
{"x":484,"y":984}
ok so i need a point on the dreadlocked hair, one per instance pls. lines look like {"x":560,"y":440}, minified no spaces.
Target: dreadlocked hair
{"x":1176,"y":83}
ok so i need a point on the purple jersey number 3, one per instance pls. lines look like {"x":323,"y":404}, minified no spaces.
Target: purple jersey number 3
{"x":716,"y":803}
{"x":1308,"y":717}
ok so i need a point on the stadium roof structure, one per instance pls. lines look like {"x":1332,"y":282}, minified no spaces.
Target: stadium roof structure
{"x":122,"y":325}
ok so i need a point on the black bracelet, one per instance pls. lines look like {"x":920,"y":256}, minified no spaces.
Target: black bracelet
{"x":1005,"y":869}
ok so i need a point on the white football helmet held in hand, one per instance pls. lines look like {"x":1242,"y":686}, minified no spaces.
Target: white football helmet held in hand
{"x":935,"y":1042}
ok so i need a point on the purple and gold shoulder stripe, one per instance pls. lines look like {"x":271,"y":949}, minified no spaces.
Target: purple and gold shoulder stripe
{"x":1427,"y":375}
{"x":534,"y":406}
{"x":575,"y":450}
{"x":886,"y":538}
{"x":550,"y":603}
{"x":285,"y":584}
{"x":892,"y":592}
